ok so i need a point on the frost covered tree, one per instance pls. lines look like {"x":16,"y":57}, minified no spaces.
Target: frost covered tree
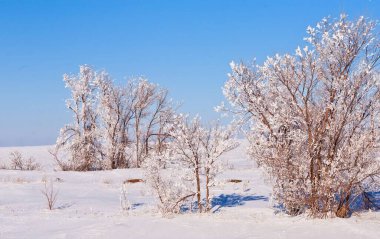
{"x":114,"y":126}
{"x":133,"y":118}
{"x":314,"y":116}
{"x":187,"y":148}
{"x":192,"y":159}
{"x":80,"y":139}
{"x":172,"y":185}
{"x":115,"y":110}
{"x":216,"y":141}
{"x":145,"y":95}
{"x":162,"y":115}
{"x":152,"y":110}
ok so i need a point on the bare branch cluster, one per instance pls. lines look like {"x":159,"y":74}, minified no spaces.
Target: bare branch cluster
{"x":50,"y":194}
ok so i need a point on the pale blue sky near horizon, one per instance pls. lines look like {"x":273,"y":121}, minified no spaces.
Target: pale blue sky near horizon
{"x":184,"y":46}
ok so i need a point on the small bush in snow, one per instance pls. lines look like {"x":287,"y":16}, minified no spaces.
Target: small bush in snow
{"x":50,"y":194}
{"x":191,"y":163}
{"x":19,"y":163}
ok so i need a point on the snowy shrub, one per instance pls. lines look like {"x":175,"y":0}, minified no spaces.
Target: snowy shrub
{"x":192,"y":154}
{"x":314,"y":116}
{"x":172,"y":186}
{"x":19,"y":163}
{"x":216,"y":141}
{"x":50,"y":194}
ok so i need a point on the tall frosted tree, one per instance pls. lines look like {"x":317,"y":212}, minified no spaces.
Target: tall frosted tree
{"x":80,"y":139}
{"x":153,"y":111}
{"x":314,"y":116}
{"x":116,"y":114}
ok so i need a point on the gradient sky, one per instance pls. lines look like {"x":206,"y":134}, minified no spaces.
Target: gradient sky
{"x":185,"y":46}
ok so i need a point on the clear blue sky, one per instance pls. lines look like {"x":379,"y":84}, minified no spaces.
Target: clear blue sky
{"x":185,"y":46}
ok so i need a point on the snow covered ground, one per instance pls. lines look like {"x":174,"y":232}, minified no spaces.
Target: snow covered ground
{"x":88,"y":206}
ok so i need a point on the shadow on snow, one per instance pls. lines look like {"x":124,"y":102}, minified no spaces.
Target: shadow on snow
{"x":367,"y":200}
{"x":225,"y":200}
{"x":233,"y":200}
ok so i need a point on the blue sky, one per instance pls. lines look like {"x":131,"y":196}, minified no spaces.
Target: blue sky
{"x":185,"y":46}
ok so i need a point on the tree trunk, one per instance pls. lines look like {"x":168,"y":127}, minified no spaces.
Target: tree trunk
{"x":198,"y":188}
{"x":342,"y":211}
{"x":344,"y":207}
{"x":208,"y":204}
{"x":137,"y":132}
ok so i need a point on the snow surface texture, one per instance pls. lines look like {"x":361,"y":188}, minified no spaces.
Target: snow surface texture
{"x":88,"y":206}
